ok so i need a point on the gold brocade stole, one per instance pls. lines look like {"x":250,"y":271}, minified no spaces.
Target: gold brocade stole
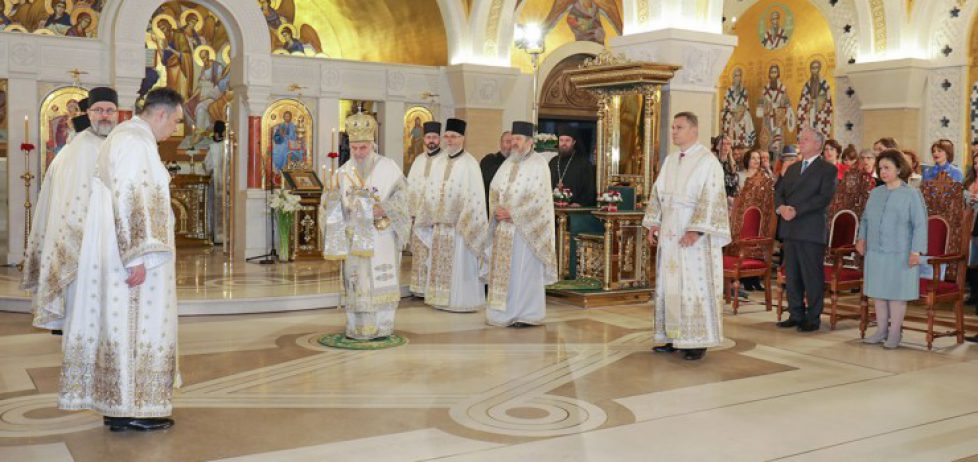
{"x":439,"y":288}
{"x":502,"y":250}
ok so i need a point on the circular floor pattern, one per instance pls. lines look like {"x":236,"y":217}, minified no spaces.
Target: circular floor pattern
{"x":340,"y":340}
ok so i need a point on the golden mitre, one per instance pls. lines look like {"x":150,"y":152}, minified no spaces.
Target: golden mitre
{"x":361,"y":127}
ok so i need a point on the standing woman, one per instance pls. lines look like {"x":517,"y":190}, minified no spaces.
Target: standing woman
{"x":723,"y":148}
{"x":752,"y":166}
{"x":943,"y":153}
{"x":892,"y":236}
{"x":850,"y":156}
{"x":831,"y":152}
{"x":867,"y":162}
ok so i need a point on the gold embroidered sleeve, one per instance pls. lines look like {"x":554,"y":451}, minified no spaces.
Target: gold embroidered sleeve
{"x":710,"y":215}
{"x":396,"y":208}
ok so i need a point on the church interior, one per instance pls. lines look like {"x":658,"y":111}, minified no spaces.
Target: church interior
{"x":256,"y":295}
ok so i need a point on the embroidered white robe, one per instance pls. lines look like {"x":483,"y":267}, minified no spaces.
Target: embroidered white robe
{"x":420,"y":180}
{"x":214,"y":163}
{"x":452,"y":224}
{"x":51,"y":258}
{"x":372,"y":282}
{"x":689,"y":196}
{"x":522,"y":255}
{"x":120,"y":342}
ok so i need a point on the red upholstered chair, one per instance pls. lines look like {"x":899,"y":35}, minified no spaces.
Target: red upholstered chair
{"x":843,"y":266}
{"x":948,"y":238}
{"x":752,"y":224}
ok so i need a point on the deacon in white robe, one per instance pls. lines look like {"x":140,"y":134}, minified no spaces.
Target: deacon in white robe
{"x":375,"y":204}
{"x":522,"y":256}
{"x":120,"y":339}
{"x":420,"y":180}
{"x":687,"y":218}
{"x":452,"y":223}
{"x":51,"y":257}
{"x":214,"y":165}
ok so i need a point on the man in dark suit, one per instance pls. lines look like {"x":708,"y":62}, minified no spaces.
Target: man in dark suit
{"x":802,"y":198}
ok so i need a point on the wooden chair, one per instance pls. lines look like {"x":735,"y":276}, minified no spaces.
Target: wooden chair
{"x":948,"y":238}
{"x":843,"y":266}
{"x":752,"y":225}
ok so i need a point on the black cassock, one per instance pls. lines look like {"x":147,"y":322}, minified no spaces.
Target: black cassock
{"x":490,"y":165}
{"x":578,"y":175}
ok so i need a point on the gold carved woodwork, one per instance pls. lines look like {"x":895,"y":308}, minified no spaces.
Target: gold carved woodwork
{"x":629,"y":106}
{"x":561,"y":98}
{"x":758,"y":191}
{"x":191,"y":209}
{"x":618,"y":257}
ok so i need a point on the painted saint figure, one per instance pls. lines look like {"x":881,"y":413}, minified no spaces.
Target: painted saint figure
{"x":737,"y":122}
{"x":584,"y":18}
{"x":776,"y":112}
{"x":775,"y":36}
{"x":815,"y":102}
{"x":285,"y":146}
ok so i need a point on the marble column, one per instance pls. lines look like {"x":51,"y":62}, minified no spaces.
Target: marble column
{"x":22,"y":100}
{"x":481,"y":96}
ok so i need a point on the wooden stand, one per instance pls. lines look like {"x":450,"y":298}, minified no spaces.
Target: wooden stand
{"x":191,"y":209}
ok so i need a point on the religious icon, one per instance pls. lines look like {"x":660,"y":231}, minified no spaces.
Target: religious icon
{"x":286,"y":35}
{"x":59,"y":20}
{"x":287,"y":137}
{"x":775,"y":111}
{"x":775,"y":26}
{"x":73,"y":18}
{"x":815,"y":102}
{"x":83,"y":23}
{"x":736,"y":119}
{"x":57,"y":110}
{"x":414,"y":118}
{"x":584,"y":18}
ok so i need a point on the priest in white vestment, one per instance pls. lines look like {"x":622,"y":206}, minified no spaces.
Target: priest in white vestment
{"x":120,"y":337}
{"x":452,"y":223}
{"x":522,"y":257}
{"x":687,"y":217}
{"x":375,"y":203}
{"x":51,"y":257}
{"x":420,"y":180}
{"x":214,"y":164}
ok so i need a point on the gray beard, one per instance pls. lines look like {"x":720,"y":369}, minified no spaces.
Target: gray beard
{"x":452,"y":152}
{"x":102,"y":129}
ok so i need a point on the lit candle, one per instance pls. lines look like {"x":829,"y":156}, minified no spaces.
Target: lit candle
{"x":27,"y":131}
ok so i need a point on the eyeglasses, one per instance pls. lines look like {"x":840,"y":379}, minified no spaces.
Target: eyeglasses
{"x":101,"y":111}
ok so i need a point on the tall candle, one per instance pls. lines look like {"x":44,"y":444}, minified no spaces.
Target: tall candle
{"x":27,"y":131}
{"x":332,"y":141}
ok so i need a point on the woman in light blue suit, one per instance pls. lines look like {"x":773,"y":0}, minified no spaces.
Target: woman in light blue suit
{"x":892,"y":236}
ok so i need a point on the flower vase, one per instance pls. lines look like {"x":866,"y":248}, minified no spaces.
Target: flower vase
{"x":284,"y":224}
{"x":612,"y":207}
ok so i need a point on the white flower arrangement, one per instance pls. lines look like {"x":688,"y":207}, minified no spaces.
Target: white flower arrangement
{"x":610,"y":197}
{"x":543,"y":142}
{"x":284,"y":201}
{"x":564,"y":194}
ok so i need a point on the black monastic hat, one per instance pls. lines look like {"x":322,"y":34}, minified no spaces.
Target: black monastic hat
{"x":432,"y":127}
{"x":567,"y":130}
{"x":100,"y":94}
{"x":523,"y":128}
{"x":455,"y":125}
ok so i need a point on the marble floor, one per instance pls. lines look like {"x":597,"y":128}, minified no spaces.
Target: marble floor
{"x":582,"y":387}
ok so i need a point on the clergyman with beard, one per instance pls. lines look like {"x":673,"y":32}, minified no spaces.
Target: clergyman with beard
{"x":571,"y":169}
{"x":59,"y":219}
{"x":419,"y":181}
{"x":491,"y":162}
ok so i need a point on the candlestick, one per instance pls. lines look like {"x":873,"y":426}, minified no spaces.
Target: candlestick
{"x":27,"y":177}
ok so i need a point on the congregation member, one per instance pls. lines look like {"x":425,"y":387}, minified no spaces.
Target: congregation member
{"x":801,"y":199}
{"x":375,"y":205}
{"x":751,"y":166}
{"x":739,"y":151}
{"x":51,"y":258}
{"x":572,"y":169}
{"x":832,"y":153}
{"x":687,"y":218}
{"x":766,"y":164}
{"x":452,"y":222}
{"x":850,"y":156}
{"x":724,"y":153}
{"x":788,"y":156}
{"x":942,"y":151}
{"x":491,"y":162}
{"x":419,"y":181}
{"x":915,"y":177}
{"x":883,"y":144}
{"x":867,"y":162}
{"x":523,"y":257}
{"x":971,"y":200}
{"x":892,"y":237}
{"x":120,"y":342}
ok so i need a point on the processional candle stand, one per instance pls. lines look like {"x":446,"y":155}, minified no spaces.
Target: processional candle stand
{"x":26,"y":147}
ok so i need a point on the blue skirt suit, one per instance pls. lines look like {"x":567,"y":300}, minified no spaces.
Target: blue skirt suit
{"x":894,"y":224}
